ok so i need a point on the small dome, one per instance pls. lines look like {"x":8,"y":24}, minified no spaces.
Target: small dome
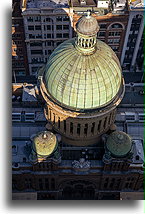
{"x":119,"y":143}
{"x":87,"y":25}
{"x":44,"y":143}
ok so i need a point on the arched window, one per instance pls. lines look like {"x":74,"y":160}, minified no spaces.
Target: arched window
{"x":86,"y":129}
{"x":64,"y":125}
{"x":78,"y":128}
{"x":116,"y":26}
{"x":52,"y":183}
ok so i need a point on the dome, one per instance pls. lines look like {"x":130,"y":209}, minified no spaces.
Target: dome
{"x":82,"y":81}
{"x":83,"y":73}
{"x":44,"y":143}
{"x":87,"y":25}
{"x":119,"y":143}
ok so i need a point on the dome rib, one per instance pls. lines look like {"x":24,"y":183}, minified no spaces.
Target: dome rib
{"x":80,"y":81}
{"x":62,"y":90}
{"x":105,"y":70}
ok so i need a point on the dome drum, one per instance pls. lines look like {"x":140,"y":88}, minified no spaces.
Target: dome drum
{"x":79,"y":129}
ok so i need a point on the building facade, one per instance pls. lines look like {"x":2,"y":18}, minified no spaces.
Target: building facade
{"x":132,"y":53}
{"x":19,"y":53}
{"x":49,"y":23}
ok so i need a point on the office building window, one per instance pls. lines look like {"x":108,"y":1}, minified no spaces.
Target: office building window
{"x":48,"y":27}
{"x":59,"y":35}
{"x":38,"y":27}
{"x":48,"y":35}
{"x":58,"y":27}
{"x":65,"y":27}
{"x":30,"y":27}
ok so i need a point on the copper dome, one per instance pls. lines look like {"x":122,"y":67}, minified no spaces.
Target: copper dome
{"x":87,"y":25}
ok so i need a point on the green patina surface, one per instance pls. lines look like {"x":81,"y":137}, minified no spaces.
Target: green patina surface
{"x":44,"y":143}
{"x":83,"y":81}
{"x":119,"y":143}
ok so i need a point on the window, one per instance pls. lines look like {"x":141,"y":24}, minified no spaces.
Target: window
{"x":130,"y":117}
{"x":37,"y":18}
{"x":59,"y":35}
{"x":31,"y":36}
{"x":14,"y":149}
{"x":103,"y":26}
{"x":141,"y":117}
{"x":49,"y":51}
{"x":24,"y":160}
{"x":46,"y":183}
{"x":16,"y":116}
{"x":36,"y":52}
{"x":58,"y":122}
{"x":113,"y":33}
{"x":52,"y":183}
{"x":115,"y":48}
{"x":78,"y":128}
{"x":65,"y":35}
{"x":48,"y":27}
{"x":30,"y":27}
{"x":38,"y":36}
{"x":30,"y":19}
{"x":28,"y":182}
{"x":34,"y":70}
{"x":29,"y":117}
{"x":65,"y":18}
{"x":92,"y":128}
{"x":49,"y":43}
{"x":48,"y":35}
{"x":40,"y":184}
{"x":64,"y":125}
{"x":71,"y":128}
{"x":117,"y":25}
{"x":35,"y":44}
{"x":101,"y":33}
{"x":65,"y":27}
{"x":38,"y":27}
{"x":48,"y":19}
{"x":86,"y":129}
{"x":58,"y":27}
{"x":59,"y":18}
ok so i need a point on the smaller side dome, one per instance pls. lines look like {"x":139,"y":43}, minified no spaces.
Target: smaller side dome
{"x":44,"y":143}
{"x":119,"y":143}
{"x":87,"y":25}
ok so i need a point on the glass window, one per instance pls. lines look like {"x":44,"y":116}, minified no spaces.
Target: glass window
{"x":65,"y":35}
{"x":58,"y":27}
{"x":38,"y":27}
{"x":30,"y":27}
{"x":59,"y":18}
{"x":48,"y":27}
{"x":65,"y":27}
{"x":59,"y":35}
{"x":48,"y":35}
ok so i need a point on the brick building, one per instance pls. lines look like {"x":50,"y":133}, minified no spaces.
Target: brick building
{"x":19,"y":54}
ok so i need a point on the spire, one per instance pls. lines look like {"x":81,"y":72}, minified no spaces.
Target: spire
{"x":87,"y":28}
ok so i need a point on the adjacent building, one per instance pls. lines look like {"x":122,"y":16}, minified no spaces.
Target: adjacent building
{"x":49,"y":23}
{"x":132,"y":54}
{"x":19,"y":53}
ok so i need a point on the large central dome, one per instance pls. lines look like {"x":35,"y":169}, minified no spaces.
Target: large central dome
{"x":83,"y":72}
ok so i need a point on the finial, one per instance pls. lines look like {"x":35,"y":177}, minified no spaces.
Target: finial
{"x":44,"y":135}
{"x":88,"y":14}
